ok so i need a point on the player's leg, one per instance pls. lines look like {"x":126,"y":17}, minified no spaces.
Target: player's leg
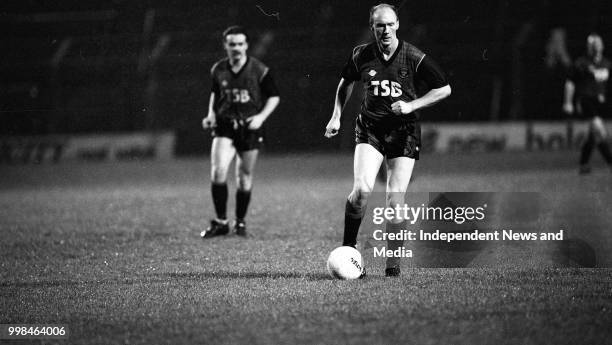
{"x":366,"y":163}
{"x":587,"y":149}
{"x":245,"y":165}
{"x":399,"y":172}
{"x":588,"y":108}
{"x":601,"y":138}
{"x":222,"y":153}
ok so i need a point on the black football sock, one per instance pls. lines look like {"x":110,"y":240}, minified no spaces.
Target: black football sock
{"x":219,"y":196}
{"x":243,"y":197}
{"x":391,"y":228}
{"x":604,"y":149}
{"x":352,"y":220}
{"x":587,"y":149}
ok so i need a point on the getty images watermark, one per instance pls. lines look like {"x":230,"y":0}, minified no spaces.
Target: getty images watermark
{"x":458,"y":222}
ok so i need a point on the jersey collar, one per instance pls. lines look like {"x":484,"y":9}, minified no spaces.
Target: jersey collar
{"x":235,"y":74}
{"x":392,"y":58}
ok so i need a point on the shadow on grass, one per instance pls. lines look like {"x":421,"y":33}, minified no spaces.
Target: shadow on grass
{"x":166,"y":277}
{"x":246,"y":275}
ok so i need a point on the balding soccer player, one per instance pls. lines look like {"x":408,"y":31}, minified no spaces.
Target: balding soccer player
{"x":387,"y":125}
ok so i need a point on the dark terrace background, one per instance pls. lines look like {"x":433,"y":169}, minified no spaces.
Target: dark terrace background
{"x":119,"y":66}
{"x":109,"y":245}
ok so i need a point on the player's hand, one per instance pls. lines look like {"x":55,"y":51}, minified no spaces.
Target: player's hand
{"x":402,"y":108}
{"x":209,"y":122}
{"x":568,"y":108}
{"x":255,"y":122}
{"x":333,"y":126}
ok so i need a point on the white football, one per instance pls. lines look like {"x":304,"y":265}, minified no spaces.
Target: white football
{"x":345,"y":263}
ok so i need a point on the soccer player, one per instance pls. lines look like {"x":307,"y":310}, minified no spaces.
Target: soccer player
{"x":243,"y":96}
{"x":585,"y":95}
{"x":387,"y":126}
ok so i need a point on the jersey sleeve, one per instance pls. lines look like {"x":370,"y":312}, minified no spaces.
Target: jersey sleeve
{"x":350,"y":71}
{"x":215,"y":88}
{"x":431,"y":73}
{"x":577,"y":71}
{"x":268,"y":86}
{"x":572,"y":71}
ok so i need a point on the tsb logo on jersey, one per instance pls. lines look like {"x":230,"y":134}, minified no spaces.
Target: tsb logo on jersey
{"x":385,"y":88}
{"x":238,"y":95}
{"x":600,"y":74}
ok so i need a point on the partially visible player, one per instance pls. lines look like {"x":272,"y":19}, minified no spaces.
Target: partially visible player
{"x":243,"y":96}
{"x":387,"y":126}
{"x":585,"y":95}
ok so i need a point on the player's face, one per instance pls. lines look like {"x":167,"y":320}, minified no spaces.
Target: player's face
{"x":594,"y":45}
{"x":384,"y":26}
{"x":236,"y":46}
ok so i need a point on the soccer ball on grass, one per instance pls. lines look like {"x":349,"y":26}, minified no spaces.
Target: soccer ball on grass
{"x":345,"y":263}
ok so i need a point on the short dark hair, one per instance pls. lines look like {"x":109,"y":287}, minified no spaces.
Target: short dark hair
{"x":234,"y":30}
{"x":594,"y":35}
{"x":379,"y":6}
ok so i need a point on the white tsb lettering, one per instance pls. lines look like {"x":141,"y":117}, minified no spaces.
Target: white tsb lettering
{"x":382,"y":88}
{"x":601,"y":74}
{"x":238,"y":95}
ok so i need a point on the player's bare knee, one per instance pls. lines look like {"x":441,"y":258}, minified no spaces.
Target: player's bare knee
{"x":363,"y":191}
{"x":358,"y":203}
{"x":218,"y":175}
{"x":598,"y":128}
{"x":362,"y":185}
{"x":395,"y":199}
{"x":359,"y":196}
{"x":244,"y":181}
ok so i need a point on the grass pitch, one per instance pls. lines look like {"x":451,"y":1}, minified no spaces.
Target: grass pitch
{"x":113,"y":251}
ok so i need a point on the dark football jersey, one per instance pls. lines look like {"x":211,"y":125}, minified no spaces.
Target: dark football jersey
{"x":590,"y":77}
{"x":243,"y":94}
{"x":388,"y":81}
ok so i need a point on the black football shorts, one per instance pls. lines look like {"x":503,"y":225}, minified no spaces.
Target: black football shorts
{"x":589,"y":107}
{"x":401,"y":139}
{"x":243,"y":138}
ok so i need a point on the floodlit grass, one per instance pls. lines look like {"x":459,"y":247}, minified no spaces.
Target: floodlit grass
{"x":112,"y":250}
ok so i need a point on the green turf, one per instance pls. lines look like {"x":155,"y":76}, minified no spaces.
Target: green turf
{"x":112,"y":250}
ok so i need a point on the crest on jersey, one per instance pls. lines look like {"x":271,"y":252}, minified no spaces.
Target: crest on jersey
{"x":403,"y":73}
{"x":224,"y":83}
{"x":372,"y":73}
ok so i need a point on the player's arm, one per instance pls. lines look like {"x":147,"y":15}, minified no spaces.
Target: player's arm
{"x":348,"y":76}
{"x":270,"y":92}
{"x":343,"y":92}
{"x":433,"y":76}
{"x":569,"y":89}
{"x":210,"y":120}
{"x":568,"y":97}
{"x":257,"y":120}
{"x":430,"y":98}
